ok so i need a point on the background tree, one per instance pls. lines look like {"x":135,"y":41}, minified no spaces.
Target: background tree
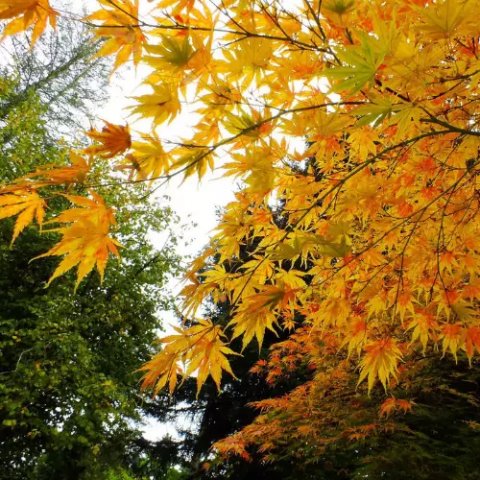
{"x":63,"y":72}
{"x":69,"y":400}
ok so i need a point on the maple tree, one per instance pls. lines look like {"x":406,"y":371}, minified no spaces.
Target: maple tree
{"x":360,"y":119}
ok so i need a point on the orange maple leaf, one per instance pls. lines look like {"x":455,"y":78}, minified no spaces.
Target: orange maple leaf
{"x":392,"y":404}
{"x":27,"y":204}
{"x":51,"y":174}
{"x":111,"y":141}
{"x":28,"y":13}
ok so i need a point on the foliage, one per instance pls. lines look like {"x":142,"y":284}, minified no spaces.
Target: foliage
{"x":376,"y":263}
{"x":215,"y":416}
{"x":61,"y":71}
{"x":69,"y":401}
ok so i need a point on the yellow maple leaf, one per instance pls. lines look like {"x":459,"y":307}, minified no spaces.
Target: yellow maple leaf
{"x":248,"y":324}
{"x":200,"y":348}
{"x":147,"y":160}
{"x":24,"y":202}
{"x":362,"y":142}
{"x":379,"y":362}
{"x":444,"y":18}
{"x":249,"y":61}
{"x":451,"y":338}
{"x":28,"y":13}
{"x":423,"y":326}
{"x":162,"y":368}
{"x":208,"y":357}
{"x":192,"y":160}
{"x":358,"y":335}
{"x":85,"y":242}
{"x":271,"y":296}
{"x":119,"y":24}
{"x":161,"y":105}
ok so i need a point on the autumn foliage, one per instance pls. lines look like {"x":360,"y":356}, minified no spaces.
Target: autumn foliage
{"x":354,"y":127}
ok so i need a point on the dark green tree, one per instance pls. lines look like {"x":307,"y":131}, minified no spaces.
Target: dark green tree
{"x":70,"y":404}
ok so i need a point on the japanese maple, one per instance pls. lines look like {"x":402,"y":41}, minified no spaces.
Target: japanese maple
{"x":359,"y":119}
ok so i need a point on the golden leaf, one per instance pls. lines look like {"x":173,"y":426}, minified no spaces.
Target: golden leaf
{"x":85,"y":242}
{"x":199,"y":348}
{"x":119,"y":24}
{"x":24,"y":202}
{"x":36,"y":14}
{"x":379,"y":362}
{"x":451,"y":337}
{"x":112,"y":140}
{"x":147,"y":160}
{"x":161,"y":105}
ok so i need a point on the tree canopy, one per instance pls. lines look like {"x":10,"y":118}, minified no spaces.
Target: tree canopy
{"x":359,"y":120}
{"x":69,"y":400}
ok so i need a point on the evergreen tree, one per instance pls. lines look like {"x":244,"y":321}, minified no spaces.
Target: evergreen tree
{"x":70,"y":406}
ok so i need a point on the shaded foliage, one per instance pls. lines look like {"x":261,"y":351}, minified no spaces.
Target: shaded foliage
{"x":69,"y":400}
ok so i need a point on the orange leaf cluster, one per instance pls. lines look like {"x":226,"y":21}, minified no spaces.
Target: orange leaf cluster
{"x":353,"y":129}
{"x":25,"y":14}
{"x":198,"y":349}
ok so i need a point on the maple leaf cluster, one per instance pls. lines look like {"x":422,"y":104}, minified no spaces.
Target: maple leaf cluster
{"x":85,"y":241}
{"x":22,"y":14}
{"x":354,"y":128}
